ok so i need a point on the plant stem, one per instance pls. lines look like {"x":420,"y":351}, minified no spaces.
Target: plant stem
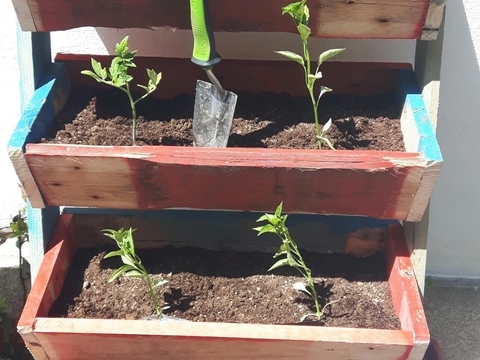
{"x":284,"y":234}
{"x":310,"y":85}
{"x":152,"y":294}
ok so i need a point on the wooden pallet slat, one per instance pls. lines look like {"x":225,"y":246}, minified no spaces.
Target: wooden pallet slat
{"x":358,"y":19}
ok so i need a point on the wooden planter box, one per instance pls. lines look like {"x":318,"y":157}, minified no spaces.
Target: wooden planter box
{"x":395,"y":185}
{"x":72,"y":339}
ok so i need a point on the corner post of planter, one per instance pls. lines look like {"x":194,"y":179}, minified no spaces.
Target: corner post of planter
{"x":34,"y":54}
{"x":428,"y":62}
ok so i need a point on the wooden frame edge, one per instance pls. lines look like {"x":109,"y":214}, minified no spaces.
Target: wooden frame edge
{"x":405,"y":293}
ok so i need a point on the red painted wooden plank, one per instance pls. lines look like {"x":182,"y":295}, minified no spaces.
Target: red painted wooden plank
{"x":340,"y":182}
{"x":387,"y":19}
{"x":403,"y":286}
{"x":55,"y":265}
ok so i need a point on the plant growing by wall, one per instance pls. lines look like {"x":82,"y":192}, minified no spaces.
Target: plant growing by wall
{"x":132,"y":265}
{"x":117,"y":76}
{"x":290,"y":255}
{"x":300,"y":14}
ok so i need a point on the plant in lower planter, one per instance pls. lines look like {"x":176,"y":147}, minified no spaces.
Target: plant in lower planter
{"x":118,"y":77}
{"x":300,"y":14}
{"x":132,"y":265}
{"x":276,"y":225}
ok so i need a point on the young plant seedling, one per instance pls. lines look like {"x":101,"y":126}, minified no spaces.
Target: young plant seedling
{"x":300,"y":14}
{"x":291,"y":256}
{"x":117,"y":76}
{"x":132,"y":265}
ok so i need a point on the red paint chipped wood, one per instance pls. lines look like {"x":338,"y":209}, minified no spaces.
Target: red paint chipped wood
{"x":340,"y":182}
{"x":75,"y":339}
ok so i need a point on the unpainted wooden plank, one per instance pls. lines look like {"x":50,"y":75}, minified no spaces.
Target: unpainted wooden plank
{"x":24,"y":15}
{"x":434,"y":20}
{"x":382,"y":19}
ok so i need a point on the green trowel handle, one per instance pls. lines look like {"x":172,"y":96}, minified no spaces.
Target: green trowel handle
{"x":204,"y":53}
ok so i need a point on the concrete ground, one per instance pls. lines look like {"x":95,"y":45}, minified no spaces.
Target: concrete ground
{"x":452,"y":308}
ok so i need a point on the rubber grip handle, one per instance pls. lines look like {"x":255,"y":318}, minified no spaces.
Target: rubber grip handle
{"x":204,"y":52}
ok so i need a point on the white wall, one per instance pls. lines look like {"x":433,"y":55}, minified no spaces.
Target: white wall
{"x":454,"y":237}
{"x":454,"y":243}
{"x":179,"y":43}
{"x":10,"y":194}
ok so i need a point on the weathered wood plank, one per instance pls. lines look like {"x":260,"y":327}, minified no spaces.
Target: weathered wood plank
{"x":125,"y":339}
{"x":36,"y":119}
{"x":419,"y":135}
{"x":48,"y":284}
{"x":77,"y":339}
{"x":403,"y":286}
{"x":381,"y":19}
{"x":340,"y":182}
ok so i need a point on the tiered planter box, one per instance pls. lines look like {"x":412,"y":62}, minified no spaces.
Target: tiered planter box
{"x":78,"y":339}
{"x":389,"y":185}
{"x":395,"y":185}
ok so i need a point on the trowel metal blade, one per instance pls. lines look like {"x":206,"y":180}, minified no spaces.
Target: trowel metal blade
{"x":212,"y":115}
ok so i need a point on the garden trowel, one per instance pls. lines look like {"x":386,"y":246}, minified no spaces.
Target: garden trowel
{"x":214,"y":106}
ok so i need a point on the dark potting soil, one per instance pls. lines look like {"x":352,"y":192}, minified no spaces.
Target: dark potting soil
{"x":228,"y":286}
{"x":93,"y":117}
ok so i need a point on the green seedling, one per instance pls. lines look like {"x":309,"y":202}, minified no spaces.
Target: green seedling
{"x":291,"y":256}
{"x":132,"y":265}
{"x":300,"y":14}
{"x":117,"y":76}
{"x":18,"y":229}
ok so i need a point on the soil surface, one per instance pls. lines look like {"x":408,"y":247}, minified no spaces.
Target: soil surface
{"x":269,"y":120}
{"x":230,"y":286}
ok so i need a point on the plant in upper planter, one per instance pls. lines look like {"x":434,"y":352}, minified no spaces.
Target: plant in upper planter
{"x":117,"y":76}
{"x":132,"y":265}
{"x":300,"y":14}
{"x":293,"y":258}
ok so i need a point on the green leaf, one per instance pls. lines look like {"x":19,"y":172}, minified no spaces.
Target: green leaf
{"x":100,"y":71}
{"x":292,"y":56}
{"x":323,"y":90}
{"x":278,"y":211}
{"x":119,"y":272}
{"x":154,"y":76}
{"x":278,"y":264}
{"x":327,"y":126}
{"x":122,"y":48}
{"x":328,"y":54}
{"x":298,"y":11}
{"x":304,"y":31}
{"x":301,"y":287}
{"x":159,"y":282}
{"x":269,"y":228}
{"x":316,"y":76}
{"x":133,"y":274}
{"x":113,"y":253}
{"x":283,"y":250}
